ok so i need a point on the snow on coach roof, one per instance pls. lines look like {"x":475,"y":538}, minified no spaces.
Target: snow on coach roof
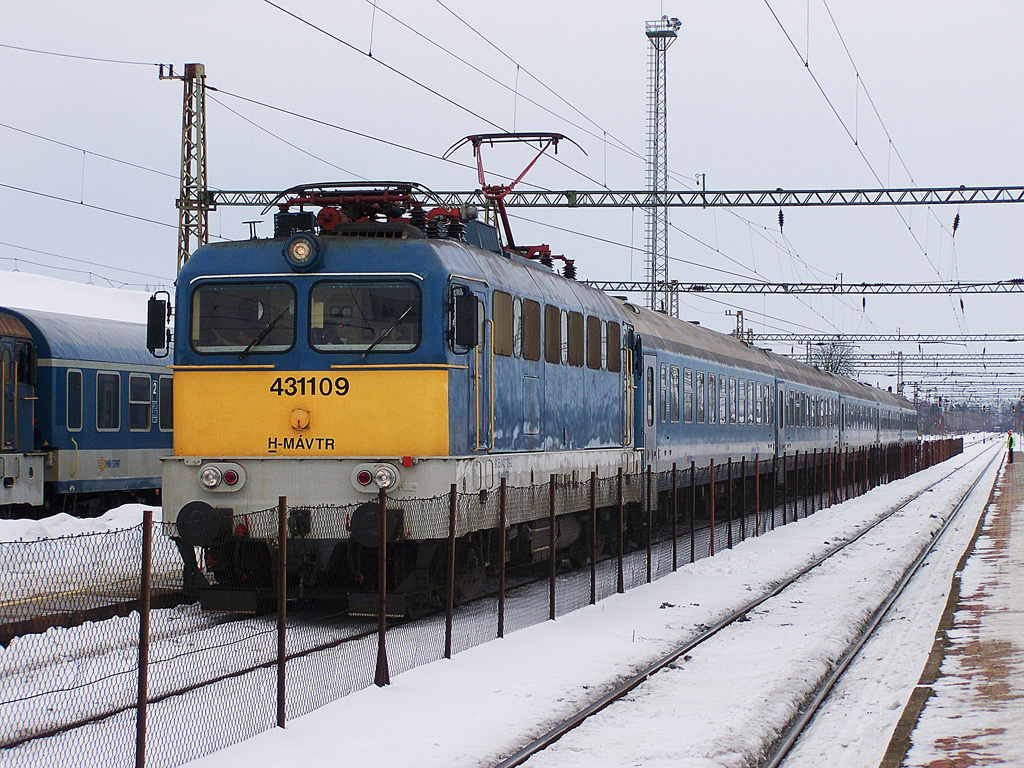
{"x":23,"y":290}
{"x":74,"y":321}
{"x":70,"y":337}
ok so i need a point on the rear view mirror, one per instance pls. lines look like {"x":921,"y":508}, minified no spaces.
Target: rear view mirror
{"x":466,"y":322}
{"x":158,"y":336}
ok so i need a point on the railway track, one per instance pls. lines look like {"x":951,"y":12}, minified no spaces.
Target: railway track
{"x":773,"y":751}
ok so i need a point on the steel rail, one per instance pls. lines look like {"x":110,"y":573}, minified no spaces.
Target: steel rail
{"x":788,"y":739}
{"x":622,"y":689}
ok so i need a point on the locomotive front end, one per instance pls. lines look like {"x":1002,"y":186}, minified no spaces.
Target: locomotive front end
{"x":311,"y":368}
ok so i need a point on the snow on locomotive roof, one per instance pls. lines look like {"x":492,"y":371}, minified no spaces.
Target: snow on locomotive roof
{"x":24,"y":290}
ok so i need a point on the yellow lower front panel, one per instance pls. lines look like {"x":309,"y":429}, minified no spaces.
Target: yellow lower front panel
{"x":262,"y":412}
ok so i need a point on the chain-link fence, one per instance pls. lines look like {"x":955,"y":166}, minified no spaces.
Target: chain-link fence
{"x":164,"y":687}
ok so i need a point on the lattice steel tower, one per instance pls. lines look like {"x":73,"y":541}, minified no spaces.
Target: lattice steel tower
{"x":661,"y":34}
{"x":194,"y":200}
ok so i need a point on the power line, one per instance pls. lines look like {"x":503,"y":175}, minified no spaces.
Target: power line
{"x":384,"y":64}
{"x":412,"y":80}
{"x":83,"y":261}
{"x":296,"y":147}
{"x":87,"y":151}
{"x":88,"y":205}
{"x":80,"y":58}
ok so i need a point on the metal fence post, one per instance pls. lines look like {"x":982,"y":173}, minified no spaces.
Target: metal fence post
{"x":593,"y":537}
{"x":552,"y":562}
{"x":728,"y":499}
{"x":502,"y":554}
{"x":711,"y":493}
{"x":620,"y":586}
{"x":757,"y":495}
{"x":743,"y":499}
{"x":693,"y":511}
{"x":282,"y":604}
{"x":650,"y":524}
{"x":796,"y":484}
{"x":675,"y":520}
{"x":449,"y":608}
{"x":144,"y":600}
{"x":382,"y":676}
{"x":785,"y":493}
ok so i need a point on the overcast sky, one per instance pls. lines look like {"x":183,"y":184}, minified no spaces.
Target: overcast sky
{"x":944,"y":78}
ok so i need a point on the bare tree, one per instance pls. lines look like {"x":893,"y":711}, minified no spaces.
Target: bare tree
{"x":835,"y":357}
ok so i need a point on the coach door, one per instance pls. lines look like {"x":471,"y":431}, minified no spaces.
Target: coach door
{"x":9,"y":402}
{"x":649,"y":411}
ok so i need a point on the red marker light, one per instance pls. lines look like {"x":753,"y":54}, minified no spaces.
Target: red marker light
{"x":364,"y":477}
{"x":230,"y":476}
{"x":407,"y":461}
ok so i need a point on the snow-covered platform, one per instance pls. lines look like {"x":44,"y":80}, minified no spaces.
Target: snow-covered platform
{"x":968,"y":708}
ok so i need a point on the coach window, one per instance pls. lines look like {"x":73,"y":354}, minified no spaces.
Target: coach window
{"x":700,"y":397}
{"x":741,"y":396}
{"x":664,"y":393}
{"x":723,"y":399}
{"x":240,"y":317}
{"x":673,"y":394}
{"x":650,"y":396}
{"x":517,"y":327}
{"x":166,"y":403}
{"x":501,"y":306}
{"x":74,"y":397}
{"x":552,"y":334}
{"x":712,"y":399}
{"x":139,"y":402}
{"x":575,"y":337}
{"x":614,"y":348}
{"x":108,"y":402}
{"x":594,"y":343}
{"x":732,"y":400}
{"x":758,"y":393}
{"x":688,"y":395}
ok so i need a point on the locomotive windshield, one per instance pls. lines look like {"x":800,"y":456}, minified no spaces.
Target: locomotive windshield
{"x":365,"y":317}
{"x":243,"y":318}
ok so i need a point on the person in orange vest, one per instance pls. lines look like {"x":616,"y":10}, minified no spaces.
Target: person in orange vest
{"x":1009,"y":446}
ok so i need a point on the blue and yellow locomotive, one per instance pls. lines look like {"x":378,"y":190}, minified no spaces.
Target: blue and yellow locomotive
{"x":374,"y":343}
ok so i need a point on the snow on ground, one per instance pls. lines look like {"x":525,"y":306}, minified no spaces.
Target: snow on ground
{"x":23,"y":290}
{"x":55,"y":526}
{"x":488,"y":700}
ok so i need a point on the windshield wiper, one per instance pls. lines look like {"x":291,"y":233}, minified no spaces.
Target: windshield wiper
{"x":386,"y":333}
{"x":262,"y":334}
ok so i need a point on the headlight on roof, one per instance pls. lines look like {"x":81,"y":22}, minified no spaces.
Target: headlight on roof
{"x":301,"y":251}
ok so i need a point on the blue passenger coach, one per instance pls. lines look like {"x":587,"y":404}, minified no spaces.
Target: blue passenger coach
{"x":85,"y":414}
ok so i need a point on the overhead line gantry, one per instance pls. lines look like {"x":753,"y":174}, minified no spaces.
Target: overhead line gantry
{"x":604,"y":198}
